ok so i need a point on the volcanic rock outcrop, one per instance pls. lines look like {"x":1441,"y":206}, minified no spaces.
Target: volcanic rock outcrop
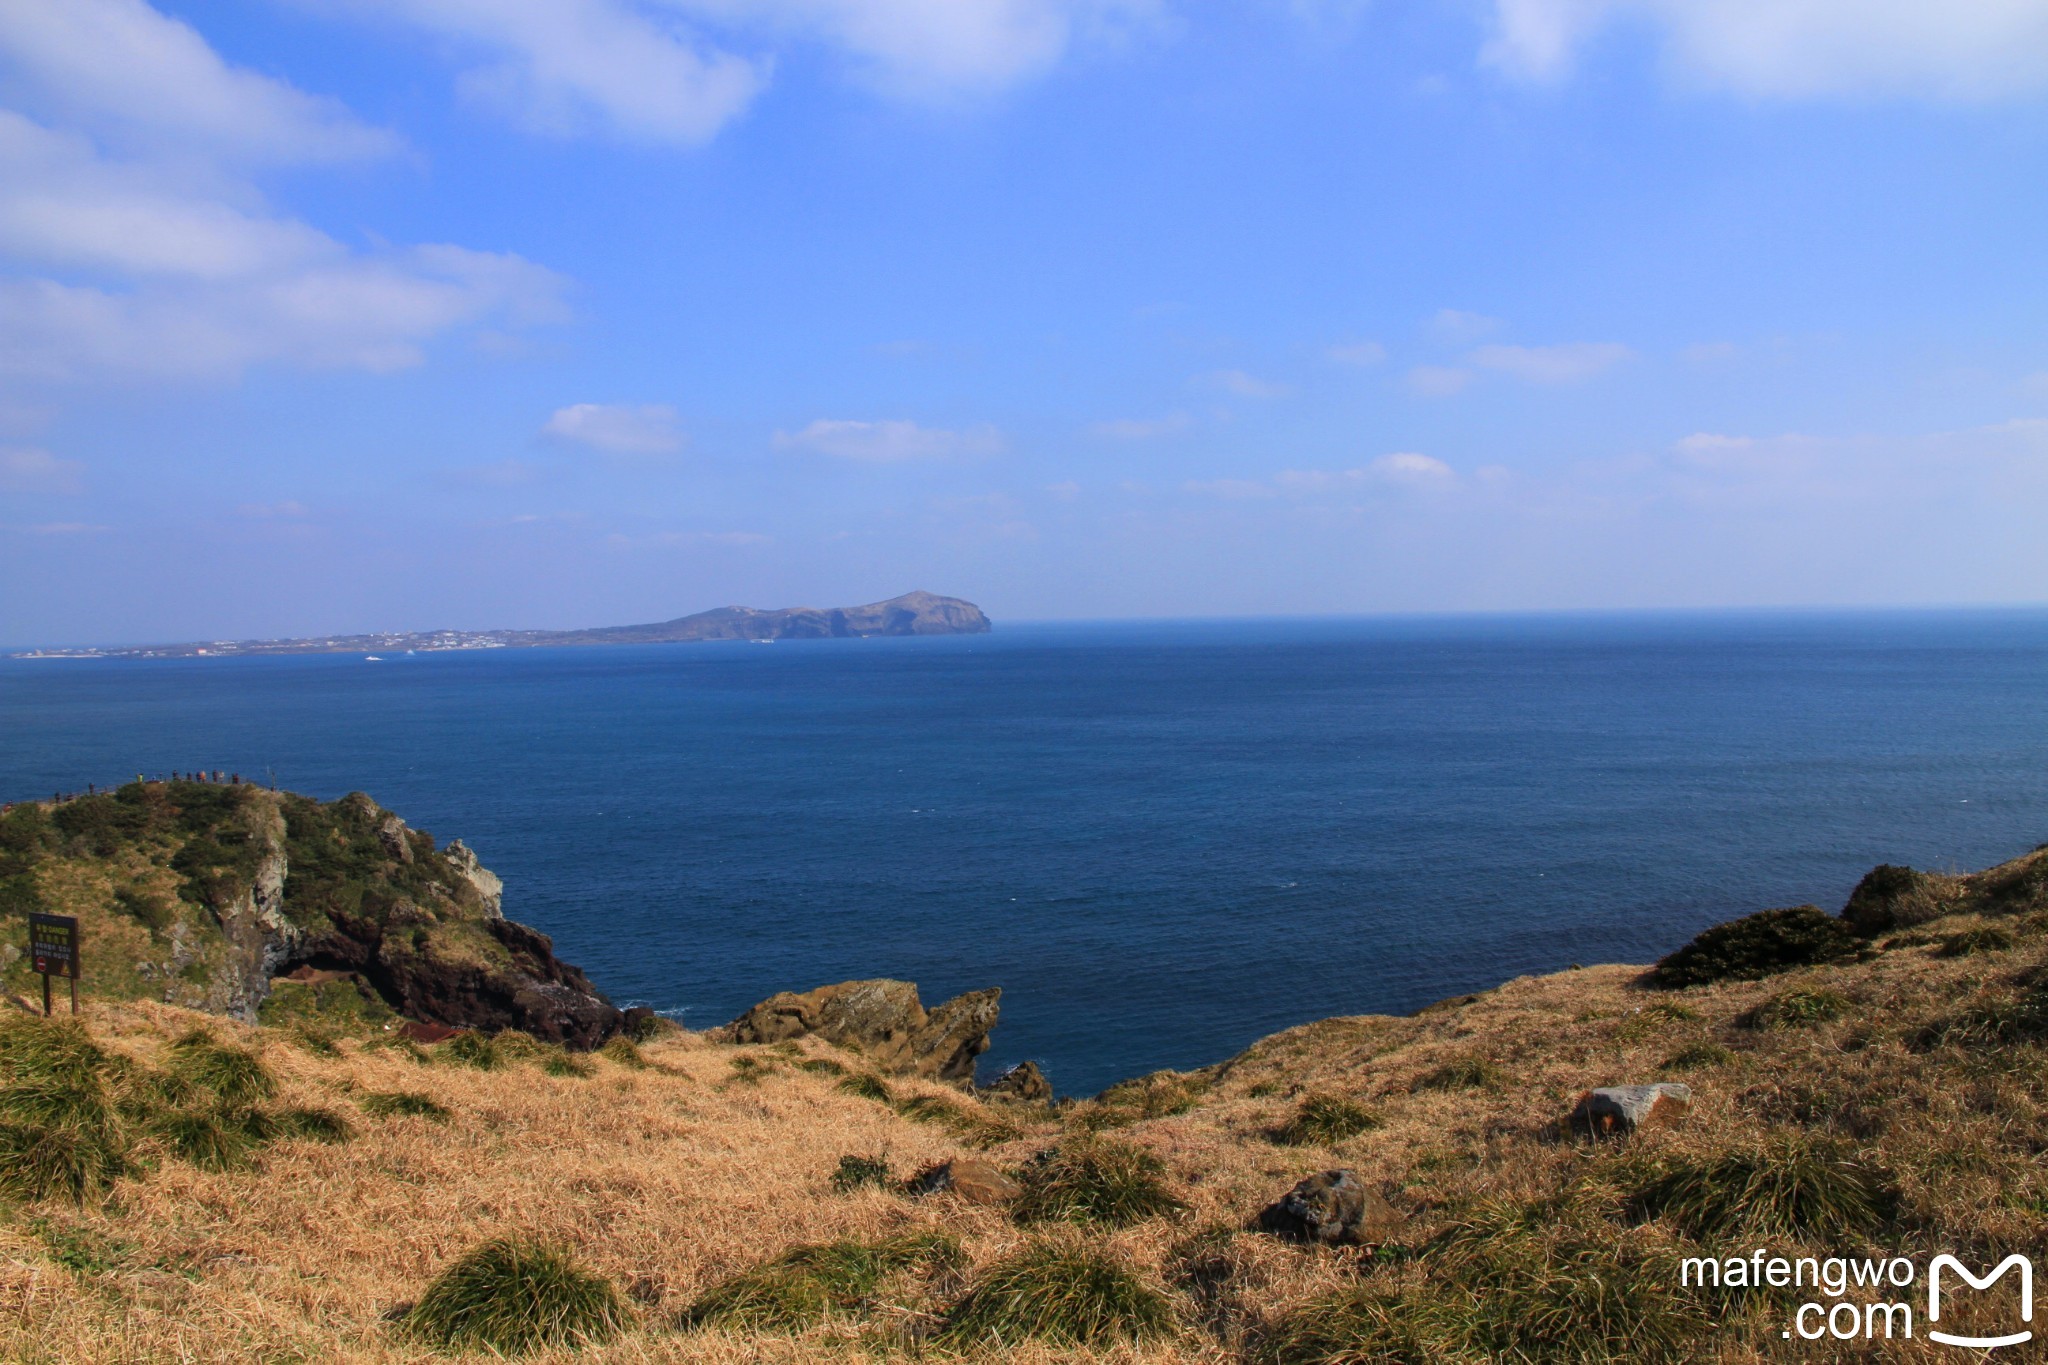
{"x":883,"y":1021}
{"x":205,"y":894}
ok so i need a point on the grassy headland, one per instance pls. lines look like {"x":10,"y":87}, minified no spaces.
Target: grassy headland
{"x":186,"y":1187}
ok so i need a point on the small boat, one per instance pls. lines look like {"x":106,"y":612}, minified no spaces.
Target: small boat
{"x":372,"y":659}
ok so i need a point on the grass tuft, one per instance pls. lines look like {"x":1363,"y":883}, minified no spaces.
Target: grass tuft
{"x":311,"y":1125}
{"x":385,"y":1104}
{"x":213,"y":1139}
{"x":868,"y":1086}
{"x":1698,"y":1057}
{"x":1066,"y":1293}
{"x":1094,"y":1180}
{"x":510,"y":1296}
{"x":1324,"y":1120}
{"x":857,"y":1171}
{"x":807,"y":1284}
{"x":236,"y":1076}
{"x":1466,"y":1073}
{"x":1796,"y":1009}
{"x":1986,"y":938}
{"x":1796,"y":1186}
{"x":477,"y":1050}
{"x":625,"y":1052}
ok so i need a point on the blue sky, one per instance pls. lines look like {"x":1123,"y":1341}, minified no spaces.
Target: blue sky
{"x":351,"y":314}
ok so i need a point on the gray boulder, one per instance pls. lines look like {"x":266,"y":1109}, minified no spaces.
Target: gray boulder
{"x":1335,"y":1208}
{"x":1618,"y":1110}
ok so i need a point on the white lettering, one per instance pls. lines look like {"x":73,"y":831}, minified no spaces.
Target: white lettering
{"x":1800,"y":1322}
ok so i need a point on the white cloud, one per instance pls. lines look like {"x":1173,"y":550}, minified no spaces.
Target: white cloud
{"x":1455,"y":327}
{"x":1437,"y":381}
{"x":890,"y":442}
{"x":1566,"y":364}
{"x":1244,"y":385}
{"x":129,"y":72}
{"x":1403,"y":469}
{"x":927,"y":48}
{"x":649,"y":430}
{"x":568,"y":66}
{"x":1359,"y":353}
{"x":28,"y":470}
{"x":673,"y":70}
{"x":162,"y":258}
{"x":1967,"y":50}
{"x":1137,"y":429}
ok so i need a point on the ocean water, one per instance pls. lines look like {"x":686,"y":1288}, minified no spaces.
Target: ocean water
{"x":1162,"y":840}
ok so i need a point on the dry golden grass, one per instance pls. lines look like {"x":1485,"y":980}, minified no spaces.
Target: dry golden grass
{"x":714,"y":1159}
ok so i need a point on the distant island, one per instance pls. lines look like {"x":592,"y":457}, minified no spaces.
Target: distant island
{"x":914,"y":613}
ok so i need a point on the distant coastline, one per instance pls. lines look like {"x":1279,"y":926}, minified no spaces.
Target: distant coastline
{"x":914,"y":613}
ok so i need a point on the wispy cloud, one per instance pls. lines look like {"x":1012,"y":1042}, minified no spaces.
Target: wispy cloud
{"x":1436,"y":381}
{"x":1402,"y":470}
{"x":1360,"y":353}
{"x":619,"y":429}
{"x":1566,"y":364}
{"x":1455,"y":327}
{"x":30,"y":470}
{"x":1798,"y":48}
{"x":1143,"y":429}
{"x":1242,"y":385}
{"x":890,"y":442}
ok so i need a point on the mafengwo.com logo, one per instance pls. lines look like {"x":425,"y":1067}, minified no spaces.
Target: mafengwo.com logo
{"x":1867,"y":1299}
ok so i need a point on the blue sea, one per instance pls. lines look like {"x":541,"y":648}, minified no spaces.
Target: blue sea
{"x":1162,"y":840}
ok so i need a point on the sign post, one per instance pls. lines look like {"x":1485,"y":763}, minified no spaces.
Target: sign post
{"x":53,"y":948}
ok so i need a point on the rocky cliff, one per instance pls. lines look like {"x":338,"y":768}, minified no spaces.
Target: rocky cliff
{"x":241,"y":901}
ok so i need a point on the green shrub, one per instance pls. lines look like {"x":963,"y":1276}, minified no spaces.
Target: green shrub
{"x":856,"y":1171}
{"x":1759,"y":945}
{"x":1889,"y":898}
{"x":644,"y":1028}
{"x":557,"y":1062}
{"x":1465,"y":1073}
{"x":384,"y":1104}
{"x":1323,"y":1120}
{"x":1797,"y":1009}
{"x":1800,"y":1186}
{"x":1093,"y":1180}
{"x":809,"y":1283}
{"x":510,"y":1296}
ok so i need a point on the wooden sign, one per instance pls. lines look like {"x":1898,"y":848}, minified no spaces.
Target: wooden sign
{"x":53,"y":951}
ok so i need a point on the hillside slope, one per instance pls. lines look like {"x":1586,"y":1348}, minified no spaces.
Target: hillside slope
{"x":1886,"y":1100}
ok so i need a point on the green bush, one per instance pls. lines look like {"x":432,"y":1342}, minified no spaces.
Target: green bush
{"x":1757,"y":946}
{"x":1094,"y":1180}
{"x":1323,"y":1120}
{"x":1888,"y":898}
{"x":384,"y":1104}
{"x":1059,"y":1292}
{"x":62,"y":1134}
{"x":509,"y":1296}
{"x":478,"y":1050}
{"x":213,"y":1139}
{"x":1791,"y":1187}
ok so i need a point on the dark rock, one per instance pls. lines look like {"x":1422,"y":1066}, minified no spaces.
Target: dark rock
{"x":972,"y":1179}
{"x":1023,"y":1081}
{"x":1618,"y":1110}
{"x":884,"y":1022}
{"x":1335,"y":1208}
